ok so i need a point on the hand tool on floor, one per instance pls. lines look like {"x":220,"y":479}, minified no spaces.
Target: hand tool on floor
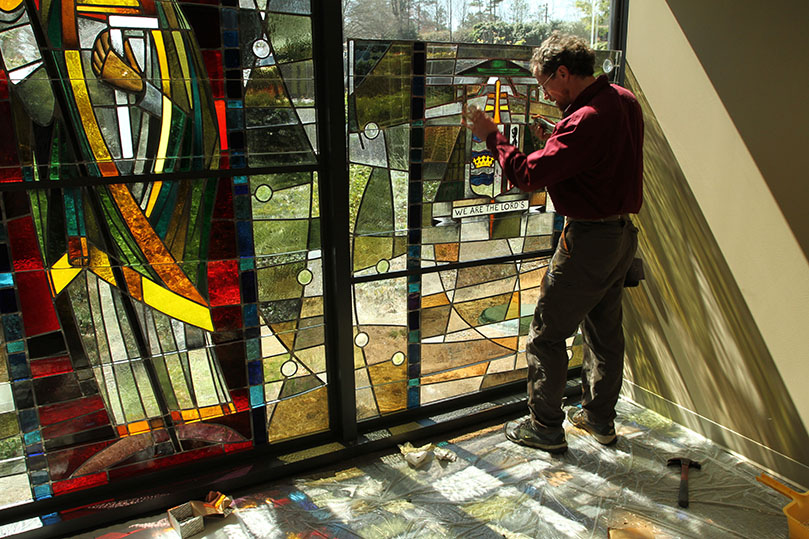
{"x":685,"y":464}
{"x":797,"y":511}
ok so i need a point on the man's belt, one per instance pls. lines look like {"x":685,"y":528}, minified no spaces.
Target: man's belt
{"x":609,"y":218}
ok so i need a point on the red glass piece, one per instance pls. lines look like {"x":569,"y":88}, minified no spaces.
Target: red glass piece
{"x":228,"y":317}
{"x":79,"y":424}
{"x":10,"y":174}
{"x":24,"y":244}
{"x":3,"y":85}
{"x":63,"y":411}
{"x":79,"y":483}
{"x":223,"y":207}
{"x":38,"y":314}
{"x":223,"y":282}
{"x":241,"y":399}
{"x":213,"y":64}
{"x":241,"y":446}
{"x":223,"y":241}
{"x":165,"y":462}
{"x":50,"y":366}
{"x":221,"y":118}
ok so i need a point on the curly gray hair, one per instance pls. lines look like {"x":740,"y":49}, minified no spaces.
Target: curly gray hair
{"x":564,"y":49}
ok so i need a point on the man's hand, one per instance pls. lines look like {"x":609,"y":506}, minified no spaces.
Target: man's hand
{"x":478,"y":121}
{"x":541,"y":128}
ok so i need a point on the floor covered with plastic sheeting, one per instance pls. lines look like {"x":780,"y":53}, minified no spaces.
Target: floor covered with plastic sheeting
{"x":498,"y":489}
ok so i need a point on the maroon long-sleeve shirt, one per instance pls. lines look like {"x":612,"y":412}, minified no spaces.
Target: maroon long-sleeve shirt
{"x":592,"y":164}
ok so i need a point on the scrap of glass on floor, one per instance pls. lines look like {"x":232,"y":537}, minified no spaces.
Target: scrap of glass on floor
{"x":154,"y":322}
{"x":424,"y":192}
{"x":498,"y":489}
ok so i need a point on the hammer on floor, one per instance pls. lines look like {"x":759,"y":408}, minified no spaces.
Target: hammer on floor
{"x":685,"y":464}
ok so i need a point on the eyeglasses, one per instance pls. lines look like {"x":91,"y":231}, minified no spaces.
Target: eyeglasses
{"x":542,"y":84}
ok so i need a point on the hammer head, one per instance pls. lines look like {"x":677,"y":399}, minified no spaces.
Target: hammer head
{"x":683,"y":461}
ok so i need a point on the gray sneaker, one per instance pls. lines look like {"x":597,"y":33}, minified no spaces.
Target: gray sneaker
{"x":524,"y":432}
{"x":604,"y":434}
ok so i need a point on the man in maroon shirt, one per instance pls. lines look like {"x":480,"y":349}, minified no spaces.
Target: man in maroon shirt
{"x":592,"y":167}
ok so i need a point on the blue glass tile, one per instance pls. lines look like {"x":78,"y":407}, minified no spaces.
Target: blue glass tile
{"x":413,"y":399}
{"x":413,"y":353}
{"x":413,"y":301}
{"x":255,"y":373}
{"x":12,"y":327}
{"x":32,"y":437}
{"x":230,"y":18}
{"x":233,"y":58}
{"x":413,"y":287}
{"x":5,"y":261}
{"x":241,"y":189}
{"x":28,"y":420}
{"x":34,"y":449}
{"x":247,"y":264}
{"x":237,"y":161}
{"x":256,"y":396}
{"x":28,"y":174}
{"x":14,"y":347}
{"x":250,"y":315}
{"x":39,"y":477}
{"x":414,"y":250}
{"x":249,"y":289}
{"x":240,"y":180}
{"x":416,"y":155}
{"x":41,"y":492}
{"x":231,"y":38}
{"x":51,"y":518}
{"x":235,"y":104}
{"x":18,"y":367}
{"x":6,"y":279}
{"x":244,"y":231}
{"x":253,"y":349}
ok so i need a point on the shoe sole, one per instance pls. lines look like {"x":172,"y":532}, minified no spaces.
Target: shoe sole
{"x":550,"y":448}
{"x":603,"y":439}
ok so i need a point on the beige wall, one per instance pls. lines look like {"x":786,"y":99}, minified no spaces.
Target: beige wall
{"x":717,"y":336}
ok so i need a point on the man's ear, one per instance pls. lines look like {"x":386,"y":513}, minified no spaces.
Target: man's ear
{"x":562,"y":71}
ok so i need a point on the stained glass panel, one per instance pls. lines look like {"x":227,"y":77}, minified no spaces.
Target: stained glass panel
{"x":158,"y":321}
{"x":425,"y":193}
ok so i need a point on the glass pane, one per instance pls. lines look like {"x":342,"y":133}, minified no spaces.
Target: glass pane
{"x":424,"y":193}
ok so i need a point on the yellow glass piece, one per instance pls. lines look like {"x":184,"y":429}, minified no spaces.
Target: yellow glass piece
{"x":62,"y":273}
{"x":513,"y":307}
{"x":155,"y":192}
{"x":209,"y":412}
{"x":165,"y":128}
{"x":176,"y":305}
{"x":303,"y":414}
{"x":116,"y":3}
{"x":100,"y":265}
{"x":189,"y":416}
{"x":138,"y":427}
{"x":9,"y":5}
{"x":178,"y":42}
{"x":497,"y":102}
{"x":163,"y":263}
{"x":100,"y":151}
{"x":108,"y":9}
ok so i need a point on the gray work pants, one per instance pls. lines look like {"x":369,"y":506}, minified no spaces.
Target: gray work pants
{"x":583,"y":285}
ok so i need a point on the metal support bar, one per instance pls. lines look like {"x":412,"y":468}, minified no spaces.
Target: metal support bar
{"x":328,"y":52}
{"x":619,"y":17}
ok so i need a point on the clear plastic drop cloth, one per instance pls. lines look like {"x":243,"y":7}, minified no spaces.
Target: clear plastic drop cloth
{"x":497,"y":489}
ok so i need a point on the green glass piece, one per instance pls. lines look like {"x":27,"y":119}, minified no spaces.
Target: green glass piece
{"x":279,"y":282}
{"x":278,"y":145}
{"x":314,"y":234}
{"x":294,"y":386}
{"x":506,"y":226}
{"x":277,"y":236}
{"x":274,"y":312}
{"x":366,"y":55}
{"x":383,"y":97}
{"x":369,"y":250}
{"x":310,"y":333}
{"x":375,"y":216}
{"x":300,"y":82}
{"x":303,"y":7}
{"x":440,"y":95}
{"x":398,"y":141}
{"x":8,"y":425}
{"x":10,"y":448}
{"x":291,"y":37}
{"x":266,"y":89}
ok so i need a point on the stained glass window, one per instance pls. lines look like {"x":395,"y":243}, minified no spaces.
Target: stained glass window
{"x":155,"y":310}
{"x":424,"y":194}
